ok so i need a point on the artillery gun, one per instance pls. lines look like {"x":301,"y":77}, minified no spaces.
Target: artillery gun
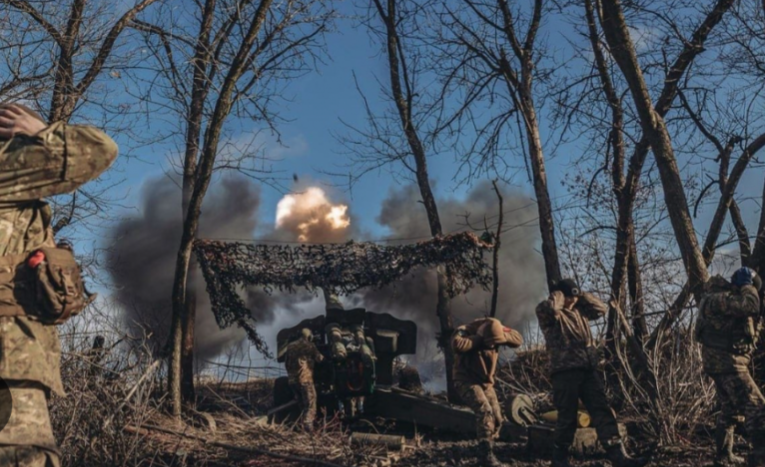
{"x":340,"y":379}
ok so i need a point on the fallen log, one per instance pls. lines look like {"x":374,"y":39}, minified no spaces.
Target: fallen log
{"x":396,"y":443}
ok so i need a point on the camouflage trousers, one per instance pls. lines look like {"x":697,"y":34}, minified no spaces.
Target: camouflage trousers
{"x":484,"y":404}
{"x":306,"y":397}
{"x":568,"y":387}
{"x":27,"y":439}
{"x":739,"y":397}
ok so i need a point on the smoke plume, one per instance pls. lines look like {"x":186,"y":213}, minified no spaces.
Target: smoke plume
{"x":521,"y":269}
{"x":142,"y":260}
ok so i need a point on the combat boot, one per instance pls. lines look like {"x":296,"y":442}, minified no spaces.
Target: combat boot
{"x":486,"y":455}
{"x":560,"y":457}
{"x":619,"y":457}
{"x":724,"y":438}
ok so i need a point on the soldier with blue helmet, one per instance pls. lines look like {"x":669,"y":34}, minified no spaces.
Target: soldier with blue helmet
{"x":728,"y":329}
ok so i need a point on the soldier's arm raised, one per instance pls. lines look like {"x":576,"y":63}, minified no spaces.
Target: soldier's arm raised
{"x":463,"y":342}
{"x":56,"y":160}
{"x":591,"y":306}
{"x":548,"y":312}
{"x":514,"y":339}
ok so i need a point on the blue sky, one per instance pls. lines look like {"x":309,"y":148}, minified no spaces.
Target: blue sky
{"x":320,"y":99}
{"x":318,"y":102}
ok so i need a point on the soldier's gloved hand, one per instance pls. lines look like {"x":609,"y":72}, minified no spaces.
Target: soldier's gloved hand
{"x":14,"y":120}
{"x":557,"y":300}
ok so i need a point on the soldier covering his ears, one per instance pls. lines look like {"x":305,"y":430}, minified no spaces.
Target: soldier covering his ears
{"x":37,"y":161}
{"x":728,"y":328}
{"x":475,"y":364}
{"x":565,"y":322}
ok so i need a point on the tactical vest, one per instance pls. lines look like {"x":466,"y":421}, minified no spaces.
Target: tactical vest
{"x":739,"y":337}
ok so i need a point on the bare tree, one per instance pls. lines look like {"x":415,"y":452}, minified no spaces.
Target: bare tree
{"x":487,"y":58}
{"x":653,"y":125}
{"x":61,"y":55}
{"x":403,"y":136}
{"x":233,"y":65}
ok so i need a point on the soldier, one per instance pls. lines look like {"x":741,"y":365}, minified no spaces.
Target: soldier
{"x":564,"y":319}
{"x":300,"y":358}
{"x":475,"y":363}
{"x":37,"y":160}
{"x":728,"y":328}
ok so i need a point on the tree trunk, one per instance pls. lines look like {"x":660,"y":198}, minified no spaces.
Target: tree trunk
{"x":522,"y":92}
{"x":179,"y":310}
{"x":495,"y":252}
{"x":655,"y":129}
{"x":546,"y":221}
{"x":723,"y":207}
{"x":636,"y":292}
{"x":187,"y":348}
{"x":398,"y":81}
{"x":757,"y":258}
{"x":181,"y":376}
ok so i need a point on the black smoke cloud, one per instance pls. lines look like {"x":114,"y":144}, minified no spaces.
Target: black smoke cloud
{"x":521,"y":268}
{"x":142,"y":261}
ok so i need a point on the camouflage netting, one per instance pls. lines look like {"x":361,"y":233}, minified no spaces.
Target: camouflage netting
{"x":343,"y":268}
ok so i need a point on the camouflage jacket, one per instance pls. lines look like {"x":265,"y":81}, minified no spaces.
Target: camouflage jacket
{"x":728,"y":328}
{"x":300,"y":357}
{"x":473,"y":362}
{"x":57,"y":160}
{"x":567,"y":332}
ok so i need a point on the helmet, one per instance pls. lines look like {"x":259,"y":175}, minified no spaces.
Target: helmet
{"x":745,"y":276}
{"x":494,"y":333}
{"x":569,"y":287}
{"x":306,"y":334}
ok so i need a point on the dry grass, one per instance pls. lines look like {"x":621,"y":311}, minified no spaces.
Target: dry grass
{"x":680,"y":417}
{"x":113,"y":416}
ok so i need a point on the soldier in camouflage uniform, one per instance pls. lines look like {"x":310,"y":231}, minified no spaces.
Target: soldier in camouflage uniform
{"x":37,"y":161}
{"x":728,"y":328}
{"x":476,"y":353}
{"x":565,"y":322}
{"x":300,"y":358}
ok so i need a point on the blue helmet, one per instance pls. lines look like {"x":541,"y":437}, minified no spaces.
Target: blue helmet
{"x":745,"y":276}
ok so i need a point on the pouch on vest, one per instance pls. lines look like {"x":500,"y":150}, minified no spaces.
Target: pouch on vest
{"x":59,"y":287}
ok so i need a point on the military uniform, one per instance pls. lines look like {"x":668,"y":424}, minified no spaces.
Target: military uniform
{"x":574,"y":359}
{"x":300,"y":358}
{"x":475,"y":365}
{"x":55,"y":161}
{"x":728,"y":328}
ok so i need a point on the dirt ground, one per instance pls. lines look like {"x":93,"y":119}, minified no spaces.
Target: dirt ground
{"x":239,"y":436}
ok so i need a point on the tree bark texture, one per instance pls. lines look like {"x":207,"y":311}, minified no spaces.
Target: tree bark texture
{"x":655,"y":129}
{"x":627,"y":192}
{"x":495,"y":252}
{"x":181,"y":376}
{"x":713,"y":234}
{"x":201,"y":181}
{"x":520,"y":84}
{"x":402,"y":99}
